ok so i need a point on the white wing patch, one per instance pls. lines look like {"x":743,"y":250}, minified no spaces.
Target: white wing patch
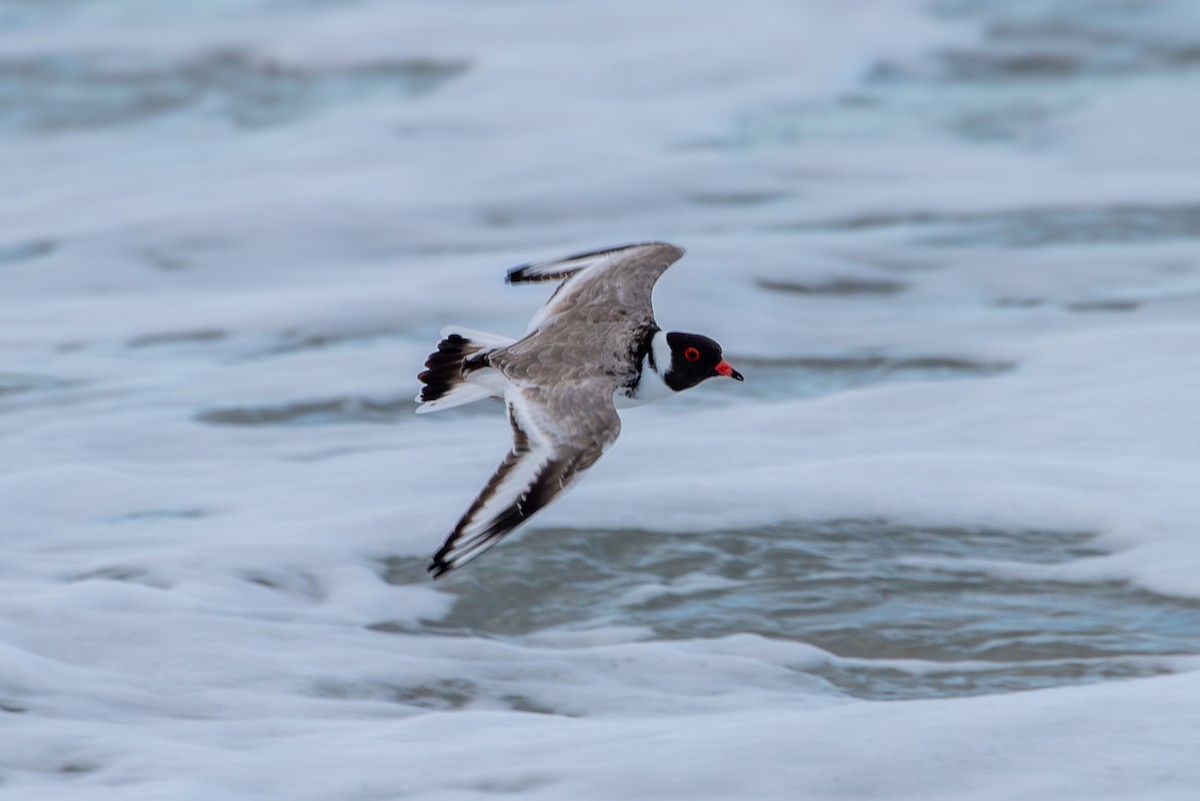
{"x":482,"y":338}
{"x":502,"y":505}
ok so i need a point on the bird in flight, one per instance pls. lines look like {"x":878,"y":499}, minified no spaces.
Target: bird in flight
{"x":593,"y":348}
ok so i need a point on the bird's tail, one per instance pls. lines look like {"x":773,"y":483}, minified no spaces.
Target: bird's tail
{"x":447,"y":379}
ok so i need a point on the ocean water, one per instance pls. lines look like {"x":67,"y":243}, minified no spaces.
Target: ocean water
{"x":941,"y":544}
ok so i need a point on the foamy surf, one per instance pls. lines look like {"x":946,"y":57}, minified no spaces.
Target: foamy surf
{"x":952,"y":249}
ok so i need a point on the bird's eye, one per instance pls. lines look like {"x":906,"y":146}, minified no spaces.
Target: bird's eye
{"x":691,"y":354}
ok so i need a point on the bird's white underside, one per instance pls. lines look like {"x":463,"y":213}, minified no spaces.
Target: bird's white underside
{"x":651,"y":387}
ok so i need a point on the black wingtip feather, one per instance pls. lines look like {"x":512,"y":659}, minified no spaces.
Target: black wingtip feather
{"x":539,"y":271}
{"x":444,"y":367}
{"x":456,"y":551}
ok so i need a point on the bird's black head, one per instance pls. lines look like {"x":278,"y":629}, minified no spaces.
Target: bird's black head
{"x":693,"y":359}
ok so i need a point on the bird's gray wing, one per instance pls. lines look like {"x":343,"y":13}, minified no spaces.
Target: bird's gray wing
{"x":557,"y":434}
{"x":607,"y":283}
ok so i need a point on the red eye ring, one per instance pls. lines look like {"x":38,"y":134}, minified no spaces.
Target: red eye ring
{"x":691,"y":354}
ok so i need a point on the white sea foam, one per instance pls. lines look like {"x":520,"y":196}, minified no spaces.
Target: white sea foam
{"x":210,"y":330}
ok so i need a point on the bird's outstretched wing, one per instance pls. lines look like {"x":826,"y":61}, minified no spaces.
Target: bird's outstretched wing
{"x":615,"y":280}
{"x":557,"y":434}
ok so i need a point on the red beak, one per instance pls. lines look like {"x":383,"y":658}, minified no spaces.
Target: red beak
{"x":725,"y":368}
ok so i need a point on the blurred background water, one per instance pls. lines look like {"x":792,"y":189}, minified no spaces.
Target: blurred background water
{"x":951,"y":244}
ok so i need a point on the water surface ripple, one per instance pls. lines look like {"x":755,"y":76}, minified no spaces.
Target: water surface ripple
{"x":904,"y":611}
